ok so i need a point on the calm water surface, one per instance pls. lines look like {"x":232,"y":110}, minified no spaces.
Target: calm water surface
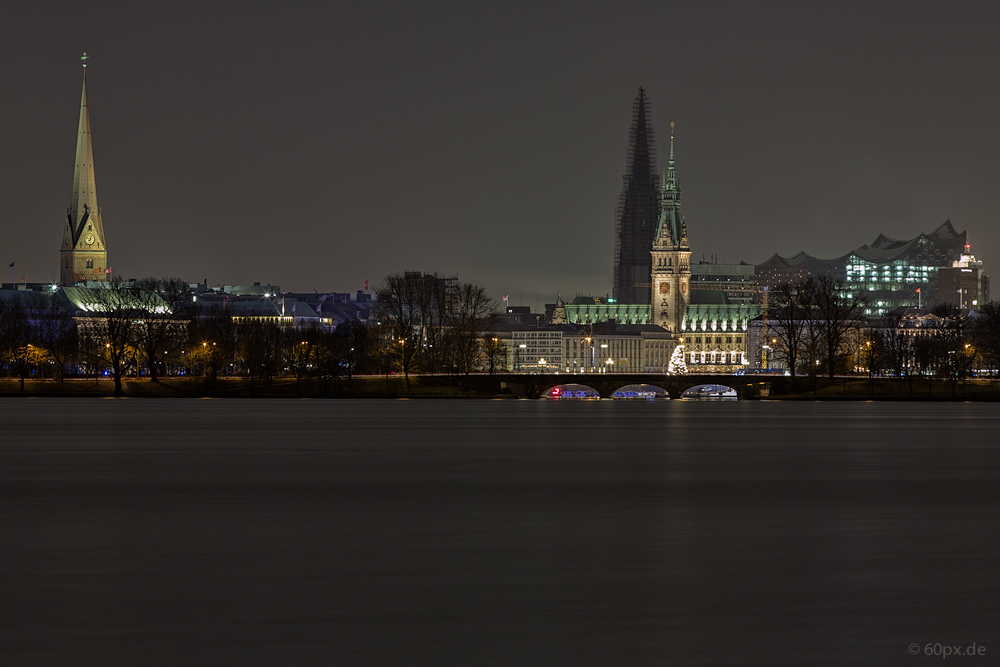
{"x":293,"y":532}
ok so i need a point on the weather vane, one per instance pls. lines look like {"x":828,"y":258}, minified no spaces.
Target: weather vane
{"x":84,"y":59}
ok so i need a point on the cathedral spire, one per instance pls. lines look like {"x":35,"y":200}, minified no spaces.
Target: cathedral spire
{"x":638,"y":207}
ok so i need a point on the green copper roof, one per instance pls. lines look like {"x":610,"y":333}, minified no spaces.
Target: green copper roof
{"x":88,"y":300}
{"x":625,"y":313}
{"x":700,"y":317}
{"x":719,"y":317}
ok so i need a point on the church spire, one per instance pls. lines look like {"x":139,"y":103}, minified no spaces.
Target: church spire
{"x":84,"y":201}
{"x":84,"y":254}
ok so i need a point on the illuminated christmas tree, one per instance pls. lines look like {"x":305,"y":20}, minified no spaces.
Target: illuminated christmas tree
{"x":677,"y":365}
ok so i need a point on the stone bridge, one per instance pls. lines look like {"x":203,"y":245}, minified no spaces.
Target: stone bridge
{"x":606,"y":384}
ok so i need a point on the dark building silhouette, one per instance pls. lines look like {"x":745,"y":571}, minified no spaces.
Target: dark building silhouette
{"x":638,"y":209}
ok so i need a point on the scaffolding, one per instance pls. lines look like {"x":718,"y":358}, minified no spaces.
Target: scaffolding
{"x":438,"y":295}
{"x":637,"y":212}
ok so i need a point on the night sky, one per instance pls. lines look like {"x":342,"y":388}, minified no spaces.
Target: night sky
{"x":319,"y":145}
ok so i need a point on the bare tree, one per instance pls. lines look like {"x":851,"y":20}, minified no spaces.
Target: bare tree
{"x":325,"y":359}
{"x":926,"y":353}
{"x":896,"y":347}
{"x":812,"y":341}
{"x":838,"y":310}
{"x":111,"y":334}
{"x":986,"y":334}
{"x":58,"y":335}
{"x":867,"y":352}
{"x":382,"y":342}
{"x":475,"y":311}
{"x":788,"y":316}
{"x":433,"y":301}
{"x":496,"y":353}
{"x":212,"y":341}
{"x":258,"y":349}
{"x":398,"y":309}
{"x":16,"y":337}
{"x":351,"y":343}
{"x":301,"y":348}
{"x":161,"y":331}
{"x":954,"y":354}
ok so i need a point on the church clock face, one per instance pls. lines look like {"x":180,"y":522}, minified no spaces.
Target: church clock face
{"x":89,"y":239}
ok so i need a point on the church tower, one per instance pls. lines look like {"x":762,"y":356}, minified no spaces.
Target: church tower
{"x":84,"y":255}
{"x":636,"y":214}
{"x":671,"y":255}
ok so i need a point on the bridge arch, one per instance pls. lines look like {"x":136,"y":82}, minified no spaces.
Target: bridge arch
{"x":641,"y":392}
{"x":570,"y":390}
{"x":710,"y":391}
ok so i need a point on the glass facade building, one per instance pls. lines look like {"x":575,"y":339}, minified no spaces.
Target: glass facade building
{"x":890,"y":285}
{"x":888,"y":271}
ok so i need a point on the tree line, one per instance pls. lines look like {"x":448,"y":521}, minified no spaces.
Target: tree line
{"x":433,"y":324}
{"x":818,"y":325}
{"x":150,"y":328}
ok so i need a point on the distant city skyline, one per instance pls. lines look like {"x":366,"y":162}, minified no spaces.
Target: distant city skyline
{"x":487,"y":142}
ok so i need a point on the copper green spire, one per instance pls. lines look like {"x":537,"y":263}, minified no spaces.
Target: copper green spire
{"x":671,"y":228}
{"x":671,"y":144}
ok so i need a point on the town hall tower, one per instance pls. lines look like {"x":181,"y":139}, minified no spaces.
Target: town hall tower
{"x":671,"y":255}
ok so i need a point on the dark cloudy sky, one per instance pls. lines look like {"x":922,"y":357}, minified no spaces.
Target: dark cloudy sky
{"x":319,"y":145}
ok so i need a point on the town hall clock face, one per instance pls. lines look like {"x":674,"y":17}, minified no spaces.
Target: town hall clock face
{"x":89,"y":239}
